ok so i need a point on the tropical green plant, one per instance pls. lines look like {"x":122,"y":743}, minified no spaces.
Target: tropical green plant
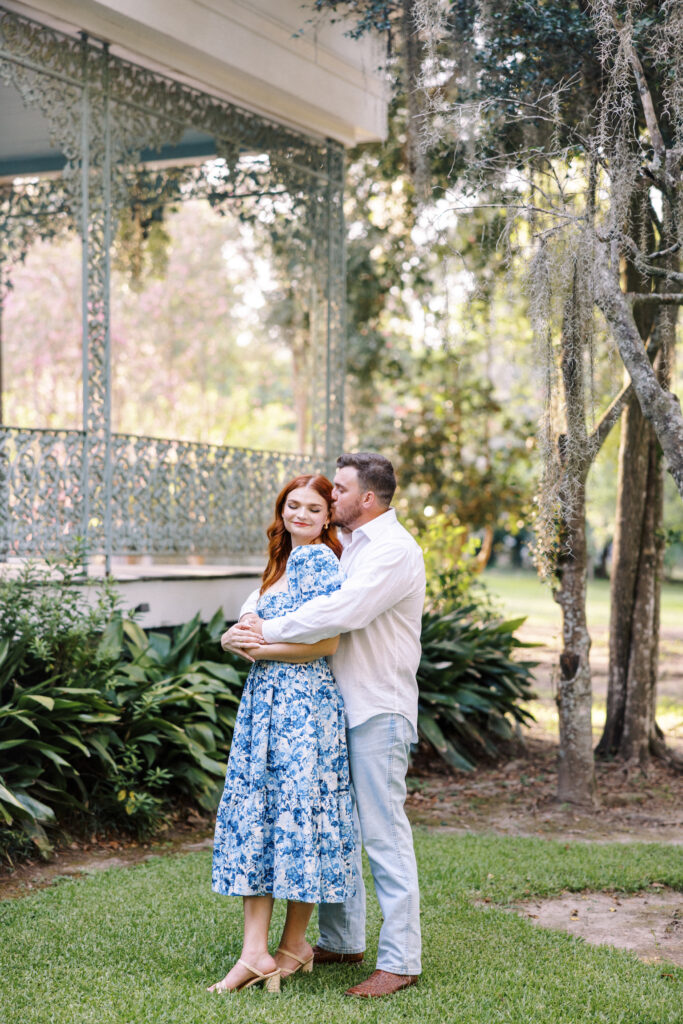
{"x":101,"y":722}
{"x":51,"y":657}
{"x":471,"y":689}
{"x":175,"y":707}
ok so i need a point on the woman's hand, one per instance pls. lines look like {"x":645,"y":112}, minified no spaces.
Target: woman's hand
{"x":259,"y":652}
{"x":250,"y":619}
{"x":242,"y":636}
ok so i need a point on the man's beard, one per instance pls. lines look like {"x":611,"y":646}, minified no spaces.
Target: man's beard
{"x":347,"y":518}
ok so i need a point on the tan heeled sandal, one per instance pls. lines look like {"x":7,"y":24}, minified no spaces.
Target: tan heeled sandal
{"x":305,"y":966}
{"x":270,"y":981}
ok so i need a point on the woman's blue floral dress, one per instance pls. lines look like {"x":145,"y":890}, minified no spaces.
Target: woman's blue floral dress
{"x":284,"y":822}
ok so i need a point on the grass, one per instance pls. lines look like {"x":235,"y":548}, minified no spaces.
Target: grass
{"x":139,"y":946}
{"x":522,"y":593}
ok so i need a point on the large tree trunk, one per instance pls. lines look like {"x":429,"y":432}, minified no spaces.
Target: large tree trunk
{"x":637,"y":565}
{"x":641,"y":678}
{"x":630,"y":730}
{"x":576,"y":769}
{"x":628,"y":530}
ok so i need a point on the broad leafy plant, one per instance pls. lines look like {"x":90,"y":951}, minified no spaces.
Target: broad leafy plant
{"x":51,"y":659}
{"x":471,"y":688}
{"x":101,"y":722}
{"x":176,"y":710}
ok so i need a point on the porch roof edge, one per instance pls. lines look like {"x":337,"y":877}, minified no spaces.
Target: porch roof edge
{"x":325,"y":86}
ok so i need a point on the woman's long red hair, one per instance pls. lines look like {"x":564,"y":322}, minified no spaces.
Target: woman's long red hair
{"x":279,"y":540}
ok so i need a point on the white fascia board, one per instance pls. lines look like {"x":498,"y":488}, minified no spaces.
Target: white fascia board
{"x":322,"y":82}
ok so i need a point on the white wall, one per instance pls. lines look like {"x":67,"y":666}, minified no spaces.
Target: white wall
{"x":247,"y":51}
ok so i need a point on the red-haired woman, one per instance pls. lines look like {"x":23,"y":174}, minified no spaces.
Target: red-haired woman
{"x":284,"y":826}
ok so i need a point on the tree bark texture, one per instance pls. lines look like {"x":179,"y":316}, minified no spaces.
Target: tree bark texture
{"x":576,"y":769}
{"x":641,"y":678}
{"x":635,"y":591}
{"x":631,"y":497}
{"x":637,"y":563}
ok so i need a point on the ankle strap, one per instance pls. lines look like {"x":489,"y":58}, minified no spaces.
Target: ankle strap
{"x":286,"y":952}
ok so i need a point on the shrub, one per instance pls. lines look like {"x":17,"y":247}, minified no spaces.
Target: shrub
{"x":49,"y":648}
{"x":470,"y":687}
{"x":101,"y":722}
{"x":105,"y":724}
{"x":176,"y":711}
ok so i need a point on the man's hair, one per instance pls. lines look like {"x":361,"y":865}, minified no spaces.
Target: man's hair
{"x":375,"y":473}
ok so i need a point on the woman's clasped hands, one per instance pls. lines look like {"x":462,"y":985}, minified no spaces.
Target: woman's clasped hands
{"x":244,"y":637}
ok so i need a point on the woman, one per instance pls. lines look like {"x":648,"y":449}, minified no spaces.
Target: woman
{"x":284,"y":825}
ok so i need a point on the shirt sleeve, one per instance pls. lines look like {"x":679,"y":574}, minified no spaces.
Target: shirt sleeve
{"x":250,"y":604}
{"x":387,"y":575}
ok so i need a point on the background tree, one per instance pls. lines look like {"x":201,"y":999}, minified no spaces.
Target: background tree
{"x":544,"y":110}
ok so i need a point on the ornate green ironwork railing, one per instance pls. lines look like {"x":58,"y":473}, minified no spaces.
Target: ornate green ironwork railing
{"x":135,"y":494}
{"x":166,"y":497}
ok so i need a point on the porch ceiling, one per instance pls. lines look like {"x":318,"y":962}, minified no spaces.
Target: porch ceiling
{"x":25,"y":142}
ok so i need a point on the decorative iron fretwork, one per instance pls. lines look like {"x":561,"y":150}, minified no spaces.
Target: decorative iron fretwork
{"x":167,"y":497}
{"x":103,"y":114}
{"x":41,"y":491}
{"x":30,"y":210}
{"x":170,"y":497}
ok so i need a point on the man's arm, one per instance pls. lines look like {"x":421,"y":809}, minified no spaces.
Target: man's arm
{"x":387,"y":575}
{"x":249,"y":605}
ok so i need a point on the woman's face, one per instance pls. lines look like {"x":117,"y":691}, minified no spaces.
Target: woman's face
{"x":304,"y":514}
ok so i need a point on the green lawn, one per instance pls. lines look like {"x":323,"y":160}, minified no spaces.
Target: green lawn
{"x":522,"y":593}
{"x":139,"y":946}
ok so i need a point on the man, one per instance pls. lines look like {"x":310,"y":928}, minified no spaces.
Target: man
{"x":378,"y":611}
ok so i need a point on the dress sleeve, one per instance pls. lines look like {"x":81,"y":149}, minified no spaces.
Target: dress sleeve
{"x":312,"y":571}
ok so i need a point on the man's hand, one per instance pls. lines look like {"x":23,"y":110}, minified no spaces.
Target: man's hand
{"x":243,"y":635}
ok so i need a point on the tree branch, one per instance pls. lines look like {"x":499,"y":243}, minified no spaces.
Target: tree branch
{"x":662,"y":252}
{"x":661,"y":407}
{"x":609,"y":418}
{"x":616,"y":406}
{"x":656,"y":298}
{"x":645,"y":94}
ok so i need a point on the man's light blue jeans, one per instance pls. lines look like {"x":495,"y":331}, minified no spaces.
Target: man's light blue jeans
{"x":378,"y":756}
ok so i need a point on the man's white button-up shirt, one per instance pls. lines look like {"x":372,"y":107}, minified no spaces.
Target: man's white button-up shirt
{"x":378,"y":611}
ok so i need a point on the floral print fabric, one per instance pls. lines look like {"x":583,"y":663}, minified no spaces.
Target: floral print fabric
{"x":284,"y":823}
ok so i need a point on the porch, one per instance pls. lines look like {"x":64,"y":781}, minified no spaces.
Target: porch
{"x":89,"y":138}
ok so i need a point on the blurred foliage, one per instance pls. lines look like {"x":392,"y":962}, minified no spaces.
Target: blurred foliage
{"x":442,"y":368}
{"x":433,"y":375}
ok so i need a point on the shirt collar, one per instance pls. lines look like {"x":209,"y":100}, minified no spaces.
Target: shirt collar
{"x":375,"y":527}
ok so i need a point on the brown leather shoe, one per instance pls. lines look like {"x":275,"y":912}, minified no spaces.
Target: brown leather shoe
{"x":328,"y":956}
{"x":382,"y":983}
